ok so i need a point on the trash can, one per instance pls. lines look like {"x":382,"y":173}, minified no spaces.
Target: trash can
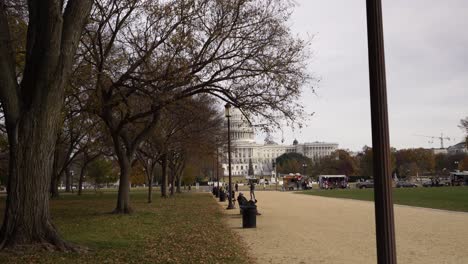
{"x":222,"y":196}
{"x":249,"y":216}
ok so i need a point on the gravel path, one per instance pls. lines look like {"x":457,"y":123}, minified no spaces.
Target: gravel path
{"x":296,"y":228}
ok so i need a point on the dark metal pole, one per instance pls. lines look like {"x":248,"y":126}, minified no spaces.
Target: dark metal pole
{"x":230,"y":204}
{"x":217,"y":168}
{"x":276,"y":176}
{"x":384,"y":219}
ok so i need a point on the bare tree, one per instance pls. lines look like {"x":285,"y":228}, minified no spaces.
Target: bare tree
{"x":464,"y":124}
{"x":32,"y":103}
{"x":147,"y":55}
{"x":148,"y":156}
{"x":75,"y":132}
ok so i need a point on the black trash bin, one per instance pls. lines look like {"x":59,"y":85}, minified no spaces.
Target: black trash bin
{"x":249,"y":216}
{"x":222,"y":196}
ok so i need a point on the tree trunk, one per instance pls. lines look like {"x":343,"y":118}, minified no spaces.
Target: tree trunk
{"x":123,"y":197}
{"x":68,"y":180}
{"x":54,"y":192}
{"x":164,"y":178}
{"x":149,"y":175}
{"x":27,"y":218}
{"x":55,"y":176}
{"x":80,"y":181}
{"x":179,"y":183}
{"x":150,"y":190}
{"x":125,"y":160}
{"x":32,"y":114}
{"x":172,"y":181}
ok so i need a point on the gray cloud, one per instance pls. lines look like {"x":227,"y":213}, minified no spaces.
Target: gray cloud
{"x":427,"y":70}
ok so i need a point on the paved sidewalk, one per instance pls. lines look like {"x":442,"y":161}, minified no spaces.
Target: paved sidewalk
{"x":296,"y":228}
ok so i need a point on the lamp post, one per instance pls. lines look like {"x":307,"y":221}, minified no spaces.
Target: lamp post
{"x":71,"y":180}
{"x":384,"y":220}
{"x":213,"y":176}
{"x":304,"y":167}
{"x":276,"y":176}
{"x":217,"y":169}
{"x":227,"y":112}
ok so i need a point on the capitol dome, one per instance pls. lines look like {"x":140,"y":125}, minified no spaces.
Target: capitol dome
{"x":241,"y":129}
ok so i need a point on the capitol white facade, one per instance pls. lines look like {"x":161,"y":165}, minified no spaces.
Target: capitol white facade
{"x":244,"y":149}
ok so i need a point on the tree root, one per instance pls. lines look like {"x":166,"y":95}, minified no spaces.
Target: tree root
{"x":49,"y":241}
{"x":122,"y":211}
{"x":41,"y":246}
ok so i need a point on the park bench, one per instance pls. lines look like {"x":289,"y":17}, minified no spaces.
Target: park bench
{"x":243,"y":203}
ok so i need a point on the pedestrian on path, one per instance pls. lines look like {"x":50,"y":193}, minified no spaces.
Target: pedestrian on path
{"x":252,"y":191}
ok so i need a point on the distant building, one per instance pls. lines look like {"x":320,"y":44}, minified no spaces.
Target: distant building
{"x":439,"y":150}
{"x":457,"y":149}
{"x":245,"y":149}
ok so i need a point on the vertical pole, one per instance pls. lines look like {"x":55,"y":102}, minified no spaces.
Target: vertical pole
{"x":217,"y":166}
{"x":230,"y":205}
{"x":213,"y":176}
{"x":384,"y":219}
{"x":276,"y":176}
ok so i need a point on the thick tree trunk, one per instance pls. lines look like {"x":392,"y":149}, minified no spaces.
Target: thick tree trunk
{"x":80,"y":181}
{"x":149,"y":175}
{"x":179,"y":183}
{"x":54,"y":186}
{"x":27,"y":218}
{"x":68,"y":180}
{"x":150,"y":190}
{"x":54,"y":193}
{"x":173,"y":180}
{"x":55,"y":177}
{"x":123,"y":197}
{"x":32,"y":113}
{"x":164,"y":178}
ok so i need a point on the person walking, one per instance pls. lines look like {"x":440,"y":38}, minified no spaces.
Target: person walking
{"x":236,"y":187}
{"x":252,"y":191}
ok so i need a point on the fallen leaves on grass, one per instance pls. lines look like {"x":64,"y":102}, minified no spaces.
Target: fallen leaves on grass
{"x":186,"y":229}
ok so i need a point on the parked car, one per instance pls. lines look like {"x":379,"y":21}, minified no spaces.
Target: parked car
{"x":404,"y":184}
{"x":433,"y":184}
{"x":364,"y":185}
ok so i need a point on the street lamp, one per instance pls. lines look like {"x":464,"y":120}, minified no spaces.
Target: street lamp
{"x":217,"y":170}
{"x":304,"y":167}
{"x":384,"y":216}
{"x":71,"y":180}
{"x":227,"y":112}
{"x":276,"y":176}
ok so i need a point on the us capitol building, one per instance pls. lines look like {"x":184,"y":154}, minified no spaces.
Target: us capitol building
{"x":244,"y":148}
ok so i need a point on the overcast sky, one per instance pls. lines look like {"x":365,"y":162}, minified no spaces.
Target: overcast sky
{"x":426,"y":45}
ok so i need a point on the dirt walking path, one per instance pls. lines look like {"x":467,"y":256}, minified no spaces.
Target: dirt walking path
{"x":296,"y":228}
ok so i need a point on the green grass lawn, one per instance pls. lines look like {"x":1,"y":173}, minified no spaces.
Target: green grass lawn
{"x":184,"y":229}
{"x":447,"y":198}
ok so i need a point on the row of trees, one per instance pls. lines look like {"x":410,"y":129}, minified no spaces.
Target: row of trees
{"x":132,"y":82}
{"x":404,"y":162}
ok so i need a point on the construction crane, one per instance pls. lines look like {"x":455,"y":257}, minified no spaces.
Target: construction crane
{"x":441,"y":138}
